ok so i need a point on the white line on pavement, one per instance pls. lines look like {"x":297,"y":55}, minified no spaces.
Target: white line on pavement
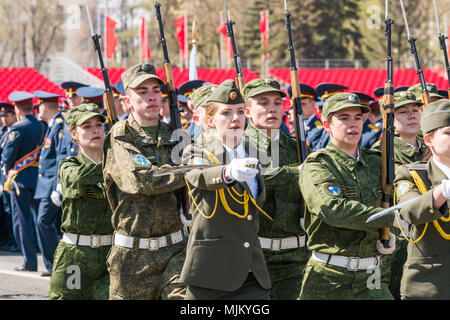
{"x":24,"y":274}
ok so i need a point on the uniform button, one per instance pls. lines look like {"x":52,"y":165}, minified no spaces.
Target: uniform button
{"x":40,"y":175}
{"x":250,"y":217}
{"x":431,"y":211}
{"x":246,"y":244}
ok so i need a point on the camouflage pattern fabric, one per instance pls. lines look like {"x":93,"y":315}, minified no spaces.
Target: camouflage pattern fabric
{"x":144,"y":206}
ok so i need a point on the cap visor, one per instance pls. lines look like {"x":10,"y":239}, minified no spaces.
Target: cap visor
{"x":136,"y":82}
{"x":87,"y":116}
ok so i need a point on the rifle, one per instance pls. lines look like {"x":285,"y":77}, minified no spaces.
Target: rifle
{"x":412,"y":42}
{"x":108,"y":95}
{"x":442,"y":39}
{"x":237,"y":59}
{"x":387,"y":137}
{"x":175,"y":122}
{"x":296,"y":95}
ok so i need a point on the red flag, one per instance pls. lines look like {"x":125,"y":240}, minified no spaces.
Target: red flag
{"x":111,"y":41}
{"x":145,"y":46}
{"x":180,"y":33}
{"x":264,"y":30}
{"x":222,"y":28}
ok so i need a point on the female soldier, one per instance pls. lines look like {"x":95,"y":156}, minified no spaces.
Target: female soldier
{"x":79,"y":270}
{"x":341,"y":187}
{"x":224,"y":259}
{"x":426,"y":272}
{"x":408,"y":148}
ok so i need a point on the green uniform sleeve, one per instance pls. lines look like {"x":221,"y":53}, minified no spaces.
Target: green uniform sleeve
{"x":75,"y":177}
{"x":336,"y":210}
{"x":420,"y":211}
{"x":283,"y":176}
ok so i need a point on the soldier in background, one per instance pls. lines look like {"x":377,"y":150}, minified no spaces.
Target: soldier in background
{"x":371,"y":131}
{"x":20,"y":161}
{"x":432,"y":89}
{"x":283,"y":240}
{"x":149,"y":249}
{"x":70,"y":90}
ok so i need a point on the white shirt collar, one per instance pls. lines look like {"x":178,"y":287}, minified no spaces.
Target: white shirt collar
{"x":238,"y":152}
{"x":443,"y":167}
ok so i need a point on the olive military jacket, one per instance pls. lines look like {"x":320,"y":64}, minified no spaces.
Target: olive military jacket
{"x":341,"y":193}
{"x":85,"y":206}
{"x":223,"y":246}
{"x":143,"y":205}
{"x":426,"y":272}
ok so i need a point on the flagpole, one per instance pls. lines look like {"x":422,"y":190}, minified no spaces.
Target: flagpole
{"x":186,"y":43}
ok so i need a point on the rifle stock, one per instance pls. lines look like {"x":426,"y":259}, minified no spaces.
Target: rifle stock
{"x":110,"y":106}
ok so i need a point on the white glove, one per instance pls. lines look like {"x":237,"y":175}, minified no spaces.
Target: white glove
{"x":302,"y":224}
{"x":56,"y":198}
{"x":58,"y":188}
{"x":381,"y":249}
{"x":239,"y":170}
{"x":446,"y":188}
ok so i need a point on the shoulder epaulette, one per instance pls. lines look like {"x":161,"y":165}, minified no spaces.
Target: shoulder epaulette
{"x":416,"y":166}
{"x":373,"y":127}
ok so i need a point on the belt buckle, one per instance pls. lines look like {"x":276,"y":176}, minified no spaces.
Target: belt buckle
{"x":156,"y":248}
{"x":272,"y":242}
{"x":350,"y":266}
{"x":91,"y":242}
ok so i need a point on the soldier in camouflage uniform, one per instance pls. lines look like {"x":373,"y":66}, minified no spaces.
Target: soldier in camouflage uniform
{"x":432,"y":89}
{"x":224,"y":259}
{"x":283,"y":240}
{"x":79,"y":268}
{"x":341,"y":186}
{"x":149,"y":249}
{"x":408,"y":148}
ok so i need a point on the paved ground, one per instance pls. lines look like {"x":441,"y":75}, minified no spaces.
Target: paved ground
{"x":21,"y":285}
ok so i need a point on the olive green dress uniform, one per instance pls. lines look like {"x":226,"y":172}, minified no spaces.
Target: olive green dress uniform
{"x":404,"y":153}
{"x":341,"y":193}
{"x":86,"y":212}
{"x":283,"y":240}
{"x":426,"y":271}
{"x":144,"y":206}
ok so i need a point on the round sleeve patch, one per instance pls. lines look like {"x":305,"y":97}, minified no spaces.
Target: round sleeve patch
{"x":332,"y":189}
{"x":141,"y":161}
{"x":403,"y":187}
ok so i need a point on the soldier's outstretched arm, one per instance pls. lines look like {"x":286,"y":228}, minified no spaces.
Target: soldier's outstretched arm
{"x":324,"y":197}
{"x":76,"y":177}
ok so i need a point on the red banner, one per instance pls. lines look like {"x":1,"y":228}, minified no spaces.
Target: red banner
{"x":264,"y":30}
{"x":145,"y":46}
{"x":222,"y":28}
{"x":111,"y":41}
{"x":180,"y":33}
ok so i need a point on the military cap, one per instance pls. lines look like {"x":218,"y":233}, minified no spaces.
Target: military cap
{"x":182,"y":98}
{"x":134,"y":76}
{"x":21,"y":98}
{"x":326,"y":90}
{"x":199,"y":96}
{"x":227,"y":92}
{"x":431,"y":87}
{"x":341,"y":101}
{"x":403,"y":98}
{"x":401,"y":88}
{"x":364,"y":98}
{"x":91,"y":94}
{"x":188,"y":87}
{"x":46,"y":96}
{"x":258,"y":86}
{"x":305,"y":92}
{"x":120,"y":88}
{"x":436,"y":115}
{"x":6,"y":107}
{"x":164,"y":91}
{"x":443,"y":93}
{"x":379,"y":92}
{"x":70,"y":88}
{"x":79,"y":114}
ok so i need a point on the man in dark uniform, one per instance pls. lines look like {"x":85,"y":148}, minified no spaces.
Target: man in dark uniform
{"x":70,"y":88}
{"x":20,"y":159}
{"x":317,"y":137}
{"x":8,"y":118}
{"x":309,"y":99}
{"x":371,"y":132}
{"x":186,"y":90}
{"x":49,"y":207}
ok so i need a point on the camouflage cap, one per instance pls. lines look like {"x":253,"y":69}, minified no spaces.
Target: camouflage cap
{"x":199,"y":95}
{"x":134,"y":76}
{"x":258,"y":86}
{"x":417,"y":90}
{"x":79,"y":114}
{"x":341,"y":101}
{"x":227,"y":92}
{"x":436,"y":115}
{"x":403,"y":98}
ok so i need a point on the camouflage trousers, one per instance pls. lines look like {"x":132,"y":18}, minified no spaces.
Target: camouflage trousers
{"x":139,"y":274}
{"x":326,"y":282}
{"x":79,"y":273}
{"x":396,"y":261}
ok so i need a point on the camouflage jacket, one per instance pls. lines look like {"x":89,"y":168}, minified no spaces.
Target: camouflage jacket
{"x":341,"y":193}
{"x":85,"y":206}
{"x":143,"y":205}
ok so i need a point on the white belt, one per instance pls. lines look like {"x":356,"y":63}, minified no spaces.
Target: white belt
{"x":93,"y":240}
{"x":152,"y":244}
{"x":351,"y":263}
{"x":283,"y":244}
